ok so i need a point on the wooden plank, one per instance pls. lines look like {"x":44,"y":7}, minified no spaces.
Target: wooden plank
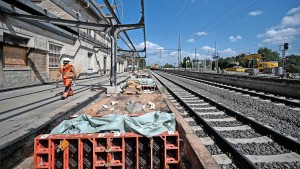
{"x":14,"y":56}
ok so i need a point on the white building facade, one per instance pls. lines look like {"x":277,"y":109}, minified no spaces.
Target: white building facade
{"x":32,"y":51}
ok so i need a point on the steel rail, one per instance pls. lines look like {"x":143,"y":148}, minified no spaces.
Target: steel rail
{"x":226,"y":145}
{"x":264,"y":96}
{"x":282,"y":139}
{"x":289,"y":143}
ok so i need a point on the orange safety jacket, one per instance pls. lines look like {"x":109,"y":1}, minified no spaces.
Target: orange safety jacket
{"x":68,"y":71}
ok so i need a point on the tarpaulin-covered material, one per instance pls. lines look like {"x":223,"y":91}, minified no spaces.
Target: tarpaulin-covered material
{"x":148,"y":125}
{"x":147,"y":82}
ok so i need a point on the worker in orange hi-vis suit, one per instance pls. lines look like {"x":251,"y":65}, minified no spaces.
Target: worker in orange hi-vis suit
{"x":68,"y":75}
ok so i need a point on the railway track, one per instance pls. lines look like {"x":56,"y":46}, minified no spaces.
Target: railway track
{"x":234,"y":140}
{"x":278,"y":115}
{"x":293,"y":102}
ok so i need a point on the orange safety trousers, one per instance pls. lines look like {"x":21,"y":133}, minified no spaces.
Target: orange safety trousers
{"x":68,"y":88}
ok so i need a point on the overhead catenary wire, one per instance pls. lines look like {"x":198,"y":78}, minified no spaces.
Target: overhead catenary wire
{"x":239,"y":12}
{"x":168,"y":27}
{"x":220,"y":15}
{"x":231,"y":17}
{"x":178,"y":18}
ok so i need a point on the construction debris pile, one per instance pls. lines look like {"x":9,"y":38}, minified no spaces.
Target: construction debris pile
{"x":132,"y":129}
{"x":139,"y":83}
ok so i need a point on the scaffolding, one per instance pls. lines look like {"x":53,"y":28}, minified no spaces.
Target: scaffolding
{"x":202,"y":65}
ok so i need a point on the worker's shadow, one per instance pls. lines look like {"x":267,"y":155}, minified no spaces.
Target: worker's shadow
{"x":59,"y":94}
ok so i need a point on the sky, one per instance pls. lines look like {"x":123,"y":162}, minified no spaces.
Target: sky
{"x":227,"y":27}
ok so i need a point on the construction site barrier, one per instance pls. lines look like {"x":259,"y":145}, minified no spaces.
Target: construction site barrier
{"x":107,"y":151}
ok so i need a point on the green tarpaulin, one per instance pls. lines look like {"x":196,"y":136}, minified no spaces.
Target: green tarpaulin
{"x":148,"y":125}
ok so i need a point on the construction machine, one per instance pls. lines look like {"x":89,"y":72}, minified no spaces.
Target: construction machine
{"x":257,"y":64}
{"x":154,"y":67}
{"x":235,"y":68}
{"x":256,"y":61}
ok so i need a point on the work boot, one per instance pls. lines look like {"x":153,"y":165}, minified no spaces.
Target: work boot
{"x":71,"y":92}
{"x":64,"y":95}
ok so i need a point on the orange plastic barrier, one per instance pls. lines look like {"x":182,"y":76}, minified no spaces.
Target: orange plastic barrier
{"x":107,"y":151}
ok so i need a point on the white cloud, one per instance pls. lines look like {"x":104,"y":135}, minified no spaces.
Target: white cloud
{"x":276,"y":40}
{"x":171,"y":56}
{"x":173,"y":53}
{"x":208,"y":49}
{"x":293,"y":11}
{"x":280,"y":32}
{"x":255,"y":13}
{"x":191,"y":40}
{"x":286,"y":31}
{"x":234,"y":38}
{"x":149,"y":45}
{"x":292,"y":18}
{"x":227,"y":52}
{"x":200,"y":33}
{"x":155,"y":56}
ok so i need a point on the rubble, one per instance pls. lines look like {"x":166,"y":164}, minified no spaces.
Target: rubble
{"x":151,"y":105}
{"x":139,"y":96}
{"x":133,"y":107}
{"x":138,"y":84}
{"x":113,"y":103}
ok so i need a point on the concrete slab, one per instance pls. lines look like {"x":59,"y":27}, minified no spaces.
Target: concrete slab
{"x":211,"y":113}
{"x":198,"y":104}
{"x":288,"y":157}
{"x":223,"y":119}
{"x":204,"y":108}
{"x":113,"y":89}
{"x":244,"y":127}
{"x":262,"y":139}
{"x":222,"y":159}
{"x":207,"y":141}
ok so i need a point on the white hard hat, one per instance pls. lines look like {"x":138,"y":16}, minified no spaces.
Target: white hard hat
{"x":66,"y":59}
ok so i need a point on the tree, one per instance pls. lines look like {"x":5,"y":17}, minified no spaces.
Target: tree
{"x":269,"y":54}
{"x":242,"y":63}
{"x":223,"y":63}
{"x":167,"y":65}
{"x":293,"y":64}
{"x":186,"y":60}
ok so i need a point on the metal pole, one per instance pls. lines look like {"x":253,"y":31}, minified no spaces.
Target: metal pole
{"x":283,"y":59}
{"x":113,"y":77}
{"x":179,"y":53}
{"x":217,"y":59}
{"x":138,"y":64}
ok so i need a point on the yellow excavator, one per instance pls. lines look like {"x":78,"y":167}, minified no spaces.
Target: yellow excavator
{"x":255,"y":64}
{"x":256,"y":61}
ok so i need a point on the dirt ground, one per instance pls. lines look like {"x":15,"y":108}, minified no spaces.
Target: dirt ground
{"x":99,"y":107}
{"x":118,"y":104}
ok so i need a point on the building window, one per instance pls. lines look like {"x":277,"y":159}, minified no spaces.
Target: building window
{"x":14,"y":56}
{"x":15,"y":50}
{"x":54,"y":55}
